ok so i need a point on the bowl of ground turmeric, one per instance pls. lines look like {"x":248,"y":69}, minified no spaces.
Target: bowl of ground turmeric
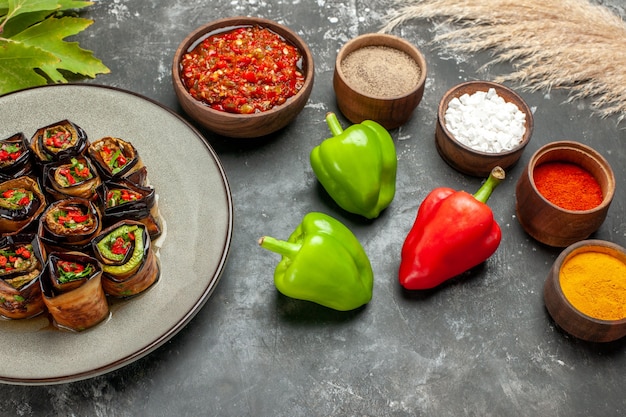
{"x":379,"y":77}
{"x":585,"y":291}
{"x":564,"y":193}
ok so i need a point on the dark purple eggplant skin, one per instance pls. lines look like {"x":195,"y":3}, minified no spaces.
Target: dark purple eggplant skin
{"x":22,"y":213}
{"x":134,"y":170}
{"x":87,"y":189}
{"x":21,"y":221}
{"x":143,"y":210}
{"x":139,"y":279}
{"x":23,"y":165}
{"x":43,"y":157}
{"x":78,"y":242}
{"x":29,"y":302}
{"x":76,"y":305}
{"x":50,"y":284}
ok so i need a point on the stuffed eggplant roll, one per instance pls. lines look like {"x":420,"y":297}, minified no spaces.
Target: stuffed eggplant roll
{"x":21,"y":204}
{"x":70,"y":224}
{"x":123,"y":199}
{"x":128,"y":261}
{"x":72,"y":178}
{"x":72,"y":291}
{"x":58,"y":141}
{"x":21,"y":265}
{"x":115,"y":158}
{"x":15,"y":157}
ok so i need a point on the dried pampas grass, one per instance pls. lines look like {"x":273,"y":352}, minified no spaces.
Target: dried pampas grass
{"x":570,"y":44}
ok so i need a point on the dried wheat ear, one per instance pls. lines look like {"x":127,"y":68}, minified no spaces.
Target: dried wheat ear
{"x":570,"y":44}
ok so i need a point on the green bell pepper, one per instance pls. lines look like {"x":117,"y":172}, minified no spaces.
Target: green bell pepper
{"x":323,"y":262}
{"x":357,"y":166}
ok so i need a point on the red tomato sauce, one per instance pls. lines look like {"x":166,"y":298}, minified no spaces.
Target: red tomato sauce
{"x":244,"y":70}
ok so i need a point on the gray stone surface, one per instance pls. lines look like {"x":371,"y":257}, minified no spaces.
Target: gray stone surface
{"x":483,"y":345}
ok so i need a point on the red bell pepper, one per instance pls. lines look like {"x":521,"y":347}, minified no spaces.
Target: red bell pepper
{"x":453,"y":232}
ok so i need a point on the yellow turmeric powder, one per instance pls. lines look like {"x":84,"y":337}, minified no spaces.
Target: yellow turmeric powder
{"x":595,"y":284}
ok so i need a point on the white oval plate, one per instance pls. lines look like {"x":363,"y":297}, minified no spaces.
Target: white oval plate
{"x":195,"y":202}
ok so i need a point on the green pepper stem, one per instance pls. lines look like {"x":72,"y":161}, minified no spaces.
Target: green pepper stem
{"x":333,"y":124}
{"x":281,"y":247}
{"x":495,"y":177}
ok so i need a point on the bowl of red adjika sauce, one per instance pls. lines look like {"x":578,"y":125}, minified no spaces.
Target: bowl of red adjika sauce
{"x":243,"y":77}
{"x":379,"y":77}
{"x":585,"y":291}
{"x":564,"y":193}
{"x":481,"y":125}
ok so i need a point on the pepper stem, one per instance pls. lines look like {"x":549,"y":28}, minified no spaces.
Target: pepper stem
{"x":497,"y":174}
{"x":281,"y":247}
{"x":333,"y":124}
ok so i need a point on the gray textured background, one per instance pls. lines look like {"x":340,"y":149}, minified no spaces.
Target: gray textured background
{"x":481,"y":346}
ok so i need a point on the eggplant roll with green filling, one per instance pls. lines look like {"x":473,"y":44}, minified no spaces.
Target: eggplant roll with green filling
{"x":129,"y":264}
{"x":75,"y":177}
{"x":58,"y":141}
{"x":124,"y":200}
{"x":21,"y":266}
{"x":115,"y":158}
{"x":21,"y":204}
{"x":15,"y":157}
{"x":70,"y":224}
{"x":72,"y":291}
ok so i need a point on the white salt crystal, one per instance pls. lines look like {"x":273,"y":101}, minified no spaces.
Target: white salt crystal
{"x":485,"y":121}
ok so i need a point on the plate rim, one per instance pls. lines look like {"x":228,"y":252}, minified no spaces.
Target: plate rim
{"x":212,"y":282}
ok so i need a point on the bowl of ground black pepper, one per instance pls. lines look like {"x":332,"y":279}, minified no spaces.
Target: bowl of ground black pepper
{"x":379,"y":77}
{"x":564,"y":193}
{"x":243,"y":77}
{"x":585,"y":291}
{"x":481,"y":125}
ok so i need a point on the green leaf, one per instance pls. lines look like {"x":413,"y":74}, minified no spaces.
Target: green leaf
{"x":17,"y":63}
{"x":48,"y":36}
{"x":41,"y":5}
{"x":32,"y":47}
{"x":23,"y":21}
{"x":17,"y":7}
{"x":73,"y":4}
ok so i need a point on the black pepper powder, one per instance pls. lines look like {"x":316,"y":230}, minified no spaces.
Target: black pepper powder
{"x":381,"y":71}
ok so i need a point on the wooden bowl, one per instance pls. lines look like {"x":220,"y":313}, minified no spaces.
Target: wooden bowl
{"x":389,"y":110}
{"x":243,"y":125}
{"x":462,"y":157}
{"x":549,"y":223}
{"x":568,"y":317}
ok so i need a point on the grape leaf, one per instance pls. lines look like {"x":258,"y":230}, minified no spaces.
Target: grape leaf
{"x":22,"y":22}
{"x":16,"y":66}
{"x":32,"y":47}
{"x":48,"y":36}
{"x":16,"y":7}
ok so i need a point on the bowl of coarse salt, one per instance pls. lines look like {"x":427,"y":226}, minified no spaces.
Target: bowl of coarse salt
{"x":480,"y":125}
{"x":379,"y":77}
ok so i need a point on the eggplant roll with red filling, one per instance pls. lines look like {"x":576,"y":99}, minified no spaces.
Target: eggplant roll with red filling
{"x":70,"y":224}
{"x":21,"y":265}
{"x":116,"y":158}
{"x":75,"y":177}
{"x":129,"y":264}
{"x":15,"y":157}
{"x":124,"y":200}
{"x":21,"y":204}
{"x":72,"y":291}
{"x":57,"y":142}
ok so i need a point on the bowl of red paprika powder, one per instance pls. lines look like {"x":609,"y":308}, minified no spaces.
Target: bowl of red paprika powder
{"x":379,"y":77}
{"x":243,"y":77}
{"x":564,"y":193}
{"x":585,"y":291}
